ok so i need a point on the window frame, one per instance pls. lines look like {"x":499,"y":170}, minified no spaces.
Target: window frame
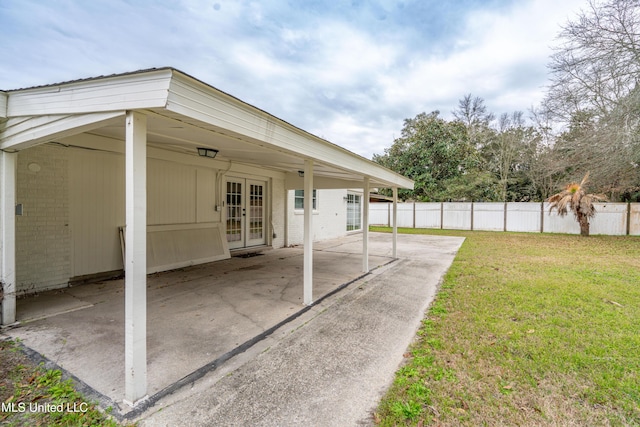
{"x":298,"y":196}
{"x":351,"y":200}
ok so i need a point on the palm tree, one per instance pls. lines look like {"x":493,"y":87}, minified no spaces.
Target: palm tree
{"x":574,"y":197}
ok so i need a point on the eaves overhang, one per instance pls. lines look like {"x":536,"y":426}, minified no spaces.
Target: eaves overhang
{"x":41,"y":114}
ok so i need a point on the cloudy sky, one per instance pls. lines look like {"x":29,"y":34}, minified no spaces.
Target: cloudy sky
{"x":349,"y":71}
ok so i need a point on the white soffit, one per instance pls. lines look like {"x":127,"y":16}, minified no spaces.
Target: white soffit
{"x":199,"y":102}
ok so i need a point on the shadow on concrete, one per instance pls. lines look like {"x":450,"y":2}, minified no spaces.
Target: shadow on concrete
{"x":198,"y":317}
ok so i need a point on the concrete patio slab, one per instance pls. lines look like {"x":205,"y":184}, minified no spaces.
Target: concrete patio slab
{"x":329,"y":366}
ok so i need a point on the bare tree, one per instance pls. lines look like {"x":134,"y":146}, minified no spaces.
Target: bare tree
{"x":507,"y":147}
{"x":473,"y":113}
{"x":597,"y":63}
{"x":595,"y":76}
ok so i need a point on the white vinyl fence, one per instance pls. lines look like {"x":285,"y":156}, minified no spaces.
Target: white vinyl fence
{"x":615,"y":219}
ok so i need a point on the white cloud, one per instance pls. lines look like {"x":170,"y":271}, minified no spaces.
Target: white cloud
{"x":350,"y":72}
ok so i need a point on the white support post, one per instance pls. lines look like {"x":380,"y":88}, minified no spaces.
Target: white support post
{"x":308,"y":232}
{"x":136,"y":258}
{"x":365,"y":226}
{"x":395,"y":222}
{"x":8,"y":235}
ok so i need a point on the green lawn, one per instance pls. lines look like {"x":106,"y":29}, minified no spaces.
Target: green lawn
{"x":33,"y":396}
{"x":527,"y":329}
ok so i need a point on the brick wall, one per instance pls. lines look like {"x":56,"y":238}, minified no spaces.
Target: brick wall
{"x":329,"y":219}
{"x":278,"y":212}
{"x":42,"y":232}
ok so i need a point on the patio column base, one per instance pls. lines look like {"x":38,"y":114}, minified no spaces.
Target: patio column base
{"x":137,"y":403}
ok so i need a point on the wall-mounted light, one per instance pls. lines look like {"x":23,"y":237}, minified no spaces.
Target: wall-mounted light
{"x":207,"y":152}
{"x":34,"y":167}
{"x":301,"y":174}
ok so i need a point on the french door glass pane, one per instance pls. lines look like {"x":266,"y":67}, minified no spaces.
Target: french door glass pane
{"x":256,"y":214}
{"x":234,"y":211}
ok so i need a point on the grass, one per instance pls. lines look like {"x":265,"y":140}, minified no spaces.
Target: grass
{"x":528,"y":330}
{"x":33,"y":396}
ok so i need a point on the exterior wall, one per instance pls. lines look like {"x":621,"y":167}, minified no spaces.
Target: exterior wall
{"x":96,"y":198}
{"x":329,"y":219}
{"x":74,"y":205}
{"x":43,"y":241}
{"x":278,"y":210}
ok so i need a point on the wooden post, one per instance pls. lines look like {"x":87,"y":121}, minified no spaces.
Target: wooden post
{"x":136,"y":258}
{"x":8,"y":234}
{"x":365,"y":226}
{"x":308,"y":233}
{"x":414,"y":214}
{"x":395,"y":223}
{"x":505,"y":216}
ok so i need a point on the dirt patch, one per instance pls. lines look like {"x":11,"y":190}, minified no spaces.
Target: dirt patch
{"x":13,"y":366}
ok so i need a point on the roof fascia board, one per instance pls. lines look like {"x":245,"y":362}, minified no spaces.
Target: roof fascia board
{"x":3,"y":105}
{"x":116,"y":93}
{"x":18,"y":134}
{"x":192,"y":98}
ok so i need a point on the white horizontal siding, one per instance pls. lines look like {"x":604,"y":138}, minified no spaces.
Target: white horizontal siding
{"x":3,"y":105}
{"x":128,"y":92}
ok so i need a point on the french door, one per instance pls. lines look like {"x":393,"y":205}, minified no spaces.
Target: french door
{"x":246,"y":216}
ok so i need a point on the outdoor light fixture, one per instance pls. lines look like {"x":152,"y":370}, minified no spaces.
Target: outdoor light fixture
{"x":301,"y":174}
{"x":207,"y":152}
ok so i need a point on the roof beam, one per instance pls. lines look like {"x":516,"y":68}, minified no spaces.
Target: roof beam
{"x":295,"y":182}
{"x":19,"y":133}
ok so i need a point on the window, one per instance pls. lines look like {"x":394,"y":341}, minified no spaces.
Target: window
{"x":299,"y":200}
{"x":354,"y":213}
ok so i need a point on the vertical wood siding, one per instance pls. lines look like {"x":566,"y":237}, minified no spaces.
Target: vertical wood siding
{"x":171,"y":193}
{"x":97,"y":210}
